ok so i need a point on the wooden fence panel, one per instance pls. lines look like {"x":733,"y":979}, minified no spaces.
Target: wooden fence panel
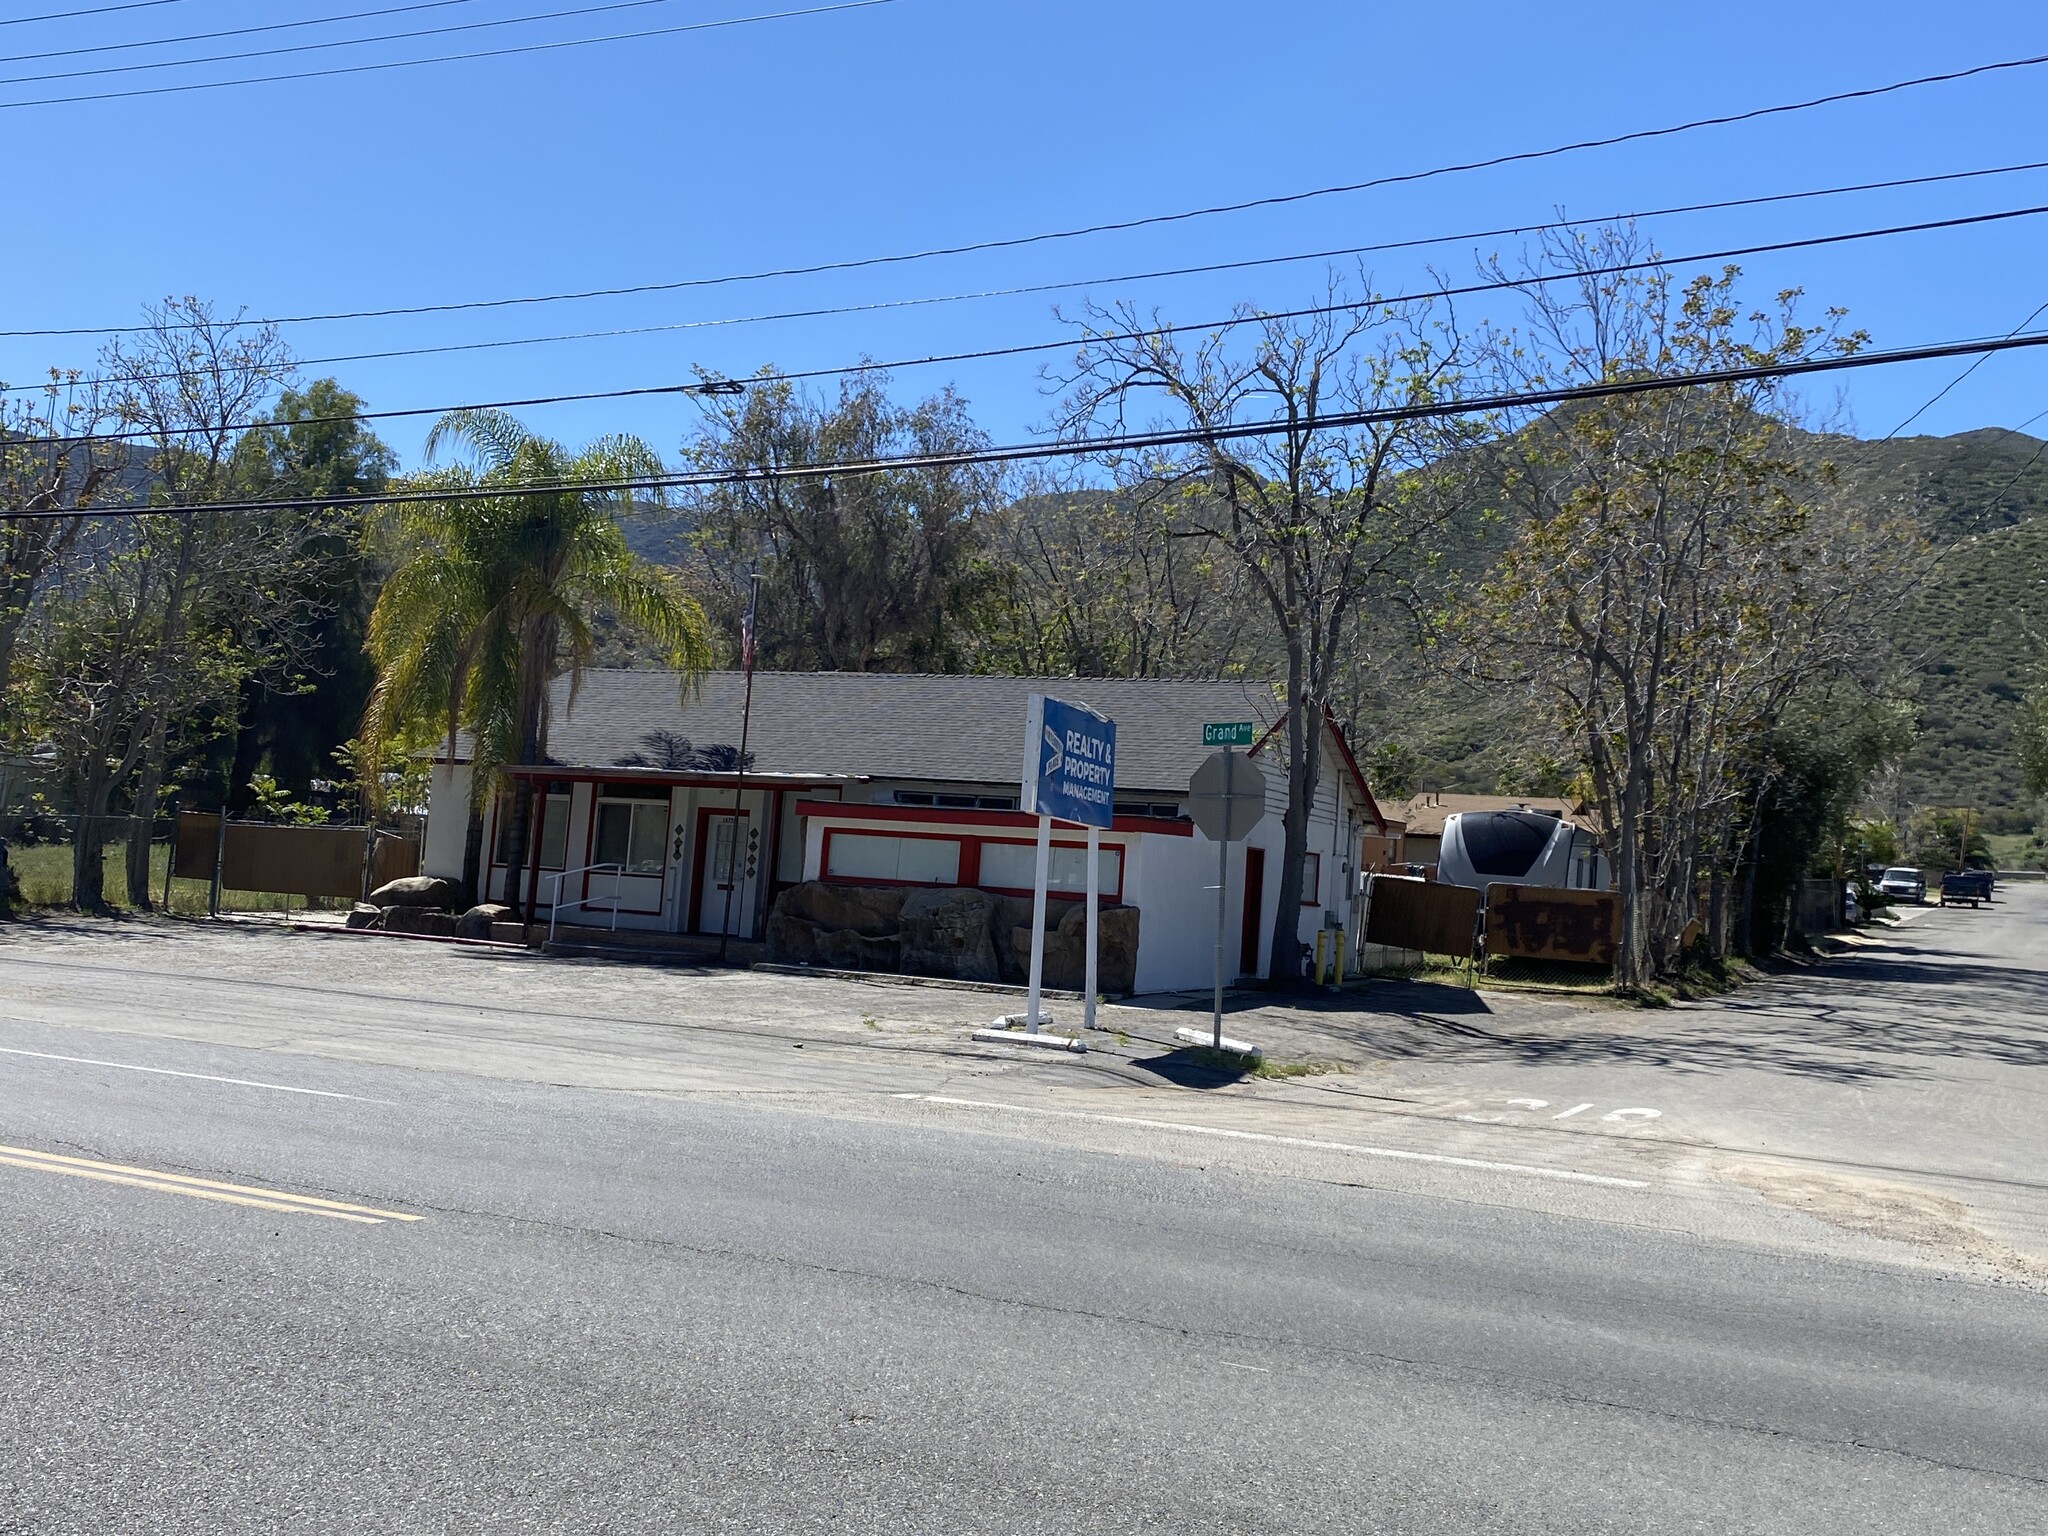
{"x":1416,"y":914}
{"x":1531,"y":922}
{"x":296,"y":861}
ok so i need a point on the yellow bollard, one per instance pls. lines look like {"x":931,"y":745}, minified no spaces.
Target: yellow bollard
{"x":1322,"y":941}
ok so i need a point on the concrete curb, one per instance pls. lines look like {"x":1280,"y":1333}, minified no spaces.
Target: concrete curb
{"x":1204,"y":1038}
{"x":1045,"y":1042}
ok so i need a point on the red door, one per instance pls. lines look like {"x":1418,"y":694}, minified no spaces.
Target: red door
{"x":1254,"y":903}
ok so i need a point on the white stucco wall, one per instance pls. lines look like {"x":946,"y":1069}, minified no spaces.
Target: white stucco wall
{"x":447,"y":820}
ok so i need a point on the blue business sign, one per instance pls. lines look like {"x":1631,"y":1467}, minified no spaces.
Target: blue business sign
{"x":1069,"y":762}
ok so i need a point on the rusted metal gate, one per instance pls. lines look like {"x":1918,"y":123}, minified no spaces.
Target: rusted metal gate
{"x":1416,"y":914}
{"x":295,"y":861}
{"x":1528,"y":922}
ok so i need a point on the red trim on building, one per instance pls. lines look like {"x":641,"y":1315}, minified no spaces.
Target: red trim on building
{"x":840,"y":810}
{"x":1357,"y":775}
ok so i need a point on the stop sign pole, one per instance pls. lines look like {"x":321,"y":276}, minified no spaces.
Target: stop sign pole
{"x":1226,"y":813}
{"x":1222,"y":898}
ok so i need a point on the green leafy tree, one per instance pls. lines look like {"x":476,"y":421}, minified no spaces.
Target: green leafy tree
{"x":2031,"y":730}
{"x":492,"y":595}
{"x":871,"y":572}
{"x":315,"y":444}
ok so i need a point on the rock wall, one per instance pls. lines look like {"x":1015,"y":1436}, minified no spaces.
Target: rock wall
{"x":960,"y":933}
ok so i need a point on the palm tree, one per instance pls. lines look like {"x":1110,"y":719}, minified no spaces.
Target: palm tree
{"x":491,"y":597}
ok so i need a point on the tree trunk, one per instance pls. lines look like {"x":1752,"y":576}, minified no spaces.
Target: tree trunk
{"x":473,"y":854}
{"x":1304,"y":760}
{"x":89,"y":844}
{"x":535,"y":667}
{"x":142,"y":827}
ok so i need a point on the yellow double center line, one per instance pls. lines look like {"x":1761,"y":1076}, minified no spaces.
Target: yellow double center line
{"x":198,"y":1189}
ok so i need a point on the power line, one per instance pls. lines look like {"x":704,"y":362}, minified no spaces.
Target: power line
{"x":95,"y":10}
{"x":345,"y":42}
{"x":204,"y":37}
{"x":445,"y":58}
{"x":1025,"y":349}
{"x":1498,"y":232}
{"x":1935,"y":398}
{"x":1118,"y":443}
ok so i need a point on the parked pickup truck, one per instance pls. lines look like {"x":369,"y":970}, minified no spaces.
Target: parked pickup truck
{"x":1970,"y":887}
{"x":1903,"y":883}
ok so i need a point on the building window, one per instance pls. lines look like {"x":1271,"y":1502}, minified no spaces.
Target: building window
{"x":897,"y":860}
{"x":1014,"y":866}
{"x":631,"y":833}
{"x":554,"y":832}
{"x":1312,"y":880}
{"x":1154,"y":810}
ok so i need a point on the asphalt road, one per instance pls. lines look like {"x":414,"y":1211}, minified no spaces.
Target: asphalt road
{"x":681,"y":1277}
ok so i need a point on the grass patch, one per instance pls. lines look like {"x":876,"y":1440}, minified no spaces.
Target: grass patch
{"x":1285,"y":1069}
{"x":45,"y":873}
{"x":1247,"y":1064}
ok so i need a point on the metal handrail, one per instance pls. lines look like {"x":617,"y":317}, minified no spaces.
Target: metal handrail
{"x":585,"y":900}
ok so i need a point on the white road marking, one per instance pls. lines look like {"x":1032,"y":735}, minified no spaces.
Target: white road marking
{"x":239,"y":1082}
{"x":1633,"y":1114}
{"x":1263,"y":1370}
{"x":1567,"y":1175}
{"x":1570,"y":1112}
{"x":1530,"y":1103}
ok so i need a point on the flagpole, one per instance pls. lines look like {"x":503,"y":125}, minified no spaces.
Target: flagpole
{"x":739,"y":782}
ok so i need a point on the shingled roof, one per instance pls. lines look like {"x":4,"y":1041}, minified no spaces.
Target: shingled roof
{"x":890,"y":725}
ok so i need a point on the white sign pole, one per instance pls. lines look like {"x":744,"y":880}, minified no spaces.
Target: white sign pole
{"x":1094,"y":884}
{"x":1038,"y":883}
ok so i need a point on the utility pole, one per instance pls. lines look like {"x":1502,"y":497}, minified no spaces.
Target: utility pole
{"x":739,"y":781}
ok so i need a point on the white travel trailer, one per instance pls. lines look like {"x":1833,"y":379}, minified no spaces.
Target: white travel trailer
{"x":1542,"y":848}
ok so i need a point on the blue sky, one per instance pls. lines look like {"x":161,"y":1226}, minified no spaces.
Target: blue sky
{"x":931,"y":122}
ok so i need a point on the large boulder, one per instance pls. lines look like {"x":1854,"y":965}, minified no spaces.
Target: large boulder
{"x":844,"y":927}
{"x":363,"y":915}
{"x":950,"y":933}
{"x":1013,"y":922}
{"x":867,"y":909}
{"x":1066,"y":949}
{"x":421,"y":920}
{"x":429,"y":891}
{"x":476,"y":922}
{"x":842,"y":949}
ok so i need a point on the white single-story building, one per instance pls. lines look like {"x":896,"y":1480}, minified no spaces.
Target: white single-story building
{"x":895,"y":779}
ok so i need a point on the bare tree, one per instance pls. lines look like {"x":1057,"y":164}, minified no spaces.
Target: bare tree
{"x":193,"y":381}
{"x":1091,"y":588}
{"x":55,"y":465}
{"x":1314,"y":511}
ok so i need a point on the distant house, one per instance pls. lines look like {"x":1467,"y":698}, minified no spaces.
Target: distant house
{"x":882,"y":779}
{"x":1425,"y":815}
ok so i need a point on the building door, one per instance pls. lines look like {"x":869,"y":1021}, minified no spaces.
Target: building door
{"x":1254,"y":904}
{"x":721,"y":872}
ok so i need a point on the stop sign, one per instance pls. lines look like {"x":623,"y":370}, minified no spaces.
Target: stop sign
{"x":1224,"y":818}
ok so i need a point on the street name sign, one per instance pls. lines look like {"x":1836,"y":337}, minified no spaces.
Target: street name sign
{"x":1069,"y":763}
{"x":1229,"y":733}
